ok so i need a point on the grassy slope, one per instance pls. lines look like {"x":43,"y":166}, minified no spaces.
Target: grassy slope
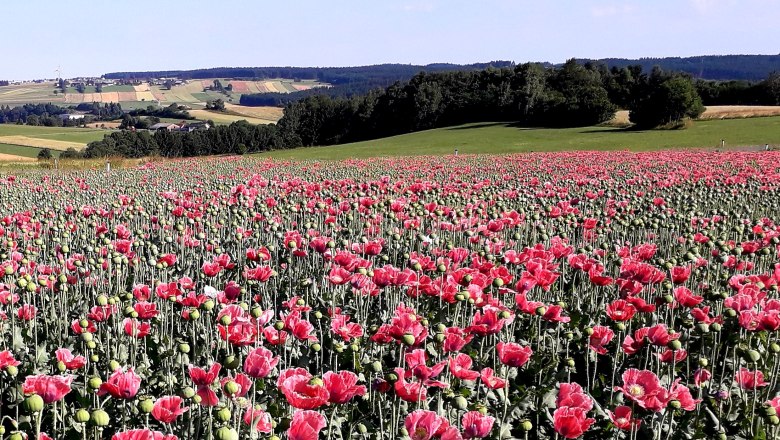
{"x":18,"y":150}
{"x":70,"y":134}
{"x":498,"y":138}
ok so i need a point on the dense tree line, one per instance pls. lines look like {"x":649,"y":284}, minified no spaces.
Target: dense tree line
{"x":713,"y":67}
{"x":11,"y":115}
{"x":173,"y":111}
{"x":237,"y":138}
{"x":45,"y":114}
{"x":388,"y":73}
{"x":766,"y":92}
{"x":4,"y":83}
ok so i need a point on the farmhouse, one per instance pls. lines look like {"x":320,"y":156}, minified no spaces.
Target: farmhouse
{"x":164,"y":126}
{"x":71,"y":116}
{"x":195,"y":126}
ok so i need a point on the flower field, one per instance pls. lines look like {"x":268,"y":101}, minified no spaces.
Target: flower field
{"x":538,"y":296}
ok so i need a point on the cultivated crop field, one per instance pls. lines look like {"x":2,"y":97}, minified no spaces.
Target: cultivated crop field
{"x":550,"y":295}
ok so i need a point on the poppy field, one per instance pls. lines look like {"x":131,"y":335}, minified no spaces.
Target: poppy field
{"x":593,"y":295}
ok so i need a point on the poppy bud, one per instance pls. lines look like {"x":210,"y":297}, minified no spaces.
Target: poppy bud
{"x":504,"y":314}
{"x":279,"y":325}
{"x":715,"y":327}
{"x":589,"y":331}
{"x":223,"y":415}
{"x":208,"y":305}
{"x":194,"y":314}
{"x":674,"y":345}
{"x":461,"y":403}
{"x":61,"y":367}
{"x":225,"y":433}
{"x":703,"y":362}
{"x":231,"y":362}
{"x":770,"y":410}
{"x":408,"y":339}
{"x":188,"y":392}
{"x":774,"y":420}
{"x":197,"y":399}
{"x":392,"y":377}
{"x":231,"y":387}
{"x":752,"y":356}
{"x":316,"y":347}
{"x":113,"y":365}
{"x":81,"y":416}
{"x":376,"y":366}
{"x":570,"y":362}
{"x":102,"y":300}
{"x":16,"y":436}
{"x":225,"y":320}
{"x":146,"y":405}
{"x":541,"y":310}
{"x":675,"y":404}
{"x":94,"y":382}
{"x":86,"y":337}
{"x":11,"y":370}
{"x":526,"y":425}
{"x":184,"y":348}
{"x":318,"y":314}
{"x":33,"y":404}
{"x":99,"y":418}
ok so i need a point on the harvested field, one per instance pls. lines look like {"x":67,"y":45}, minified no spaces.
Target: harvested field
{"x":740,"y":111}
{"x":240,"y":86}
{"x":716,"y":112}
{"x":110,"y":96}
{"x":301,"y":87}
{"x":40,"y":143}
{"x":272,"y":114}
{"x":106,"y":125}
{"x":145,"y":96}
{"x":142,"y":87}
{"x":127,"y":96}
{"x":13,"y":158}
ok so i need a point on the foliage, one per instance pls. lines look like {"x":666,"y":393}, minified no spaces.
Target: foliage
{"x":44,"y":154}
{"x":663,"y":99}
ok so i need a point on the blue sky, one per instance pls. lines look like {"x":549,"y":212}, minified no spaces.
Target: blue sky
{"x":95,"y":37}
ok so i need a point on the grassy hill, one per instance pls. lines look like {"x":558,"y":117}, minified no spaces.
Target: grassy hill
{"x":500,"y":138}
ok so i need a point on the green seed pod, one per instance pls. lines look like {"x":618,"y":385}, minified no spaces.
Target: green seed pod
{"x":408,"y":339}
{"x":33,"y":404}
{"x":461,"y":403}
{"x":715,"y":327}
{"x":376,"y":366}
{"x":231,"y":387}
{"x":774,"y":347}
{"x":100,"y":418}
{"x":223,"y":415}
{"x":316,"y":347}
{"x":113,"y":365}
{"x":184,"y":348}
{"x":225,"y":433}
{"x":146,"y":405}
{"x":94,"y":382}
{"x":526,"y":425}
{"x":81,"y":416}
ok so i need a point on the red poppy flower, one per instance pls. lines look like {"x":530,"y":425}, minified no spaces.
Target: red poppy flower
{"x":136,"y":328}
{"x":513,"y":354}
{"x":306,"y":425}
{"x":571,"y":422}
{"x":70,"y":361}
{"x":258,"y":419}
{"x":424,"y":425}
{"x":476,"y":425}
{"x":50,"y":388}
{"x":342,"y":386}
{"x":620,"y":310}
{"x":621,"y":418}
{"x":260,"y":362}
{"x":490,"y":380}
{"x":750,"y":380}
{"x":121,"y":385}
{"x":460,"y":367}
{"x":301,"y":389}
{"x":167,"y":409}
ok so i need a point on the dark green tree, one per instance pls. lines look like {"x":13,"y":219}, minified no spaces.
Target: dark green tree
{"x":44,"y":154}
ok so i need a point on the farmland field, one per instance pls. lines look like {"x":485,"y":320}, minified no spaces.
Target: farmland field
{"x":140,"y":96}
{"x":60,"y":138}
{"x":503,"y":138}
{"x":546,"y":295}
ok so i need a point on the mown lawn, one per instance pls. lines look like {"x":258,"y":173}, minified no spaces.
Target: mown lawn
{"x":501,"y":138}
